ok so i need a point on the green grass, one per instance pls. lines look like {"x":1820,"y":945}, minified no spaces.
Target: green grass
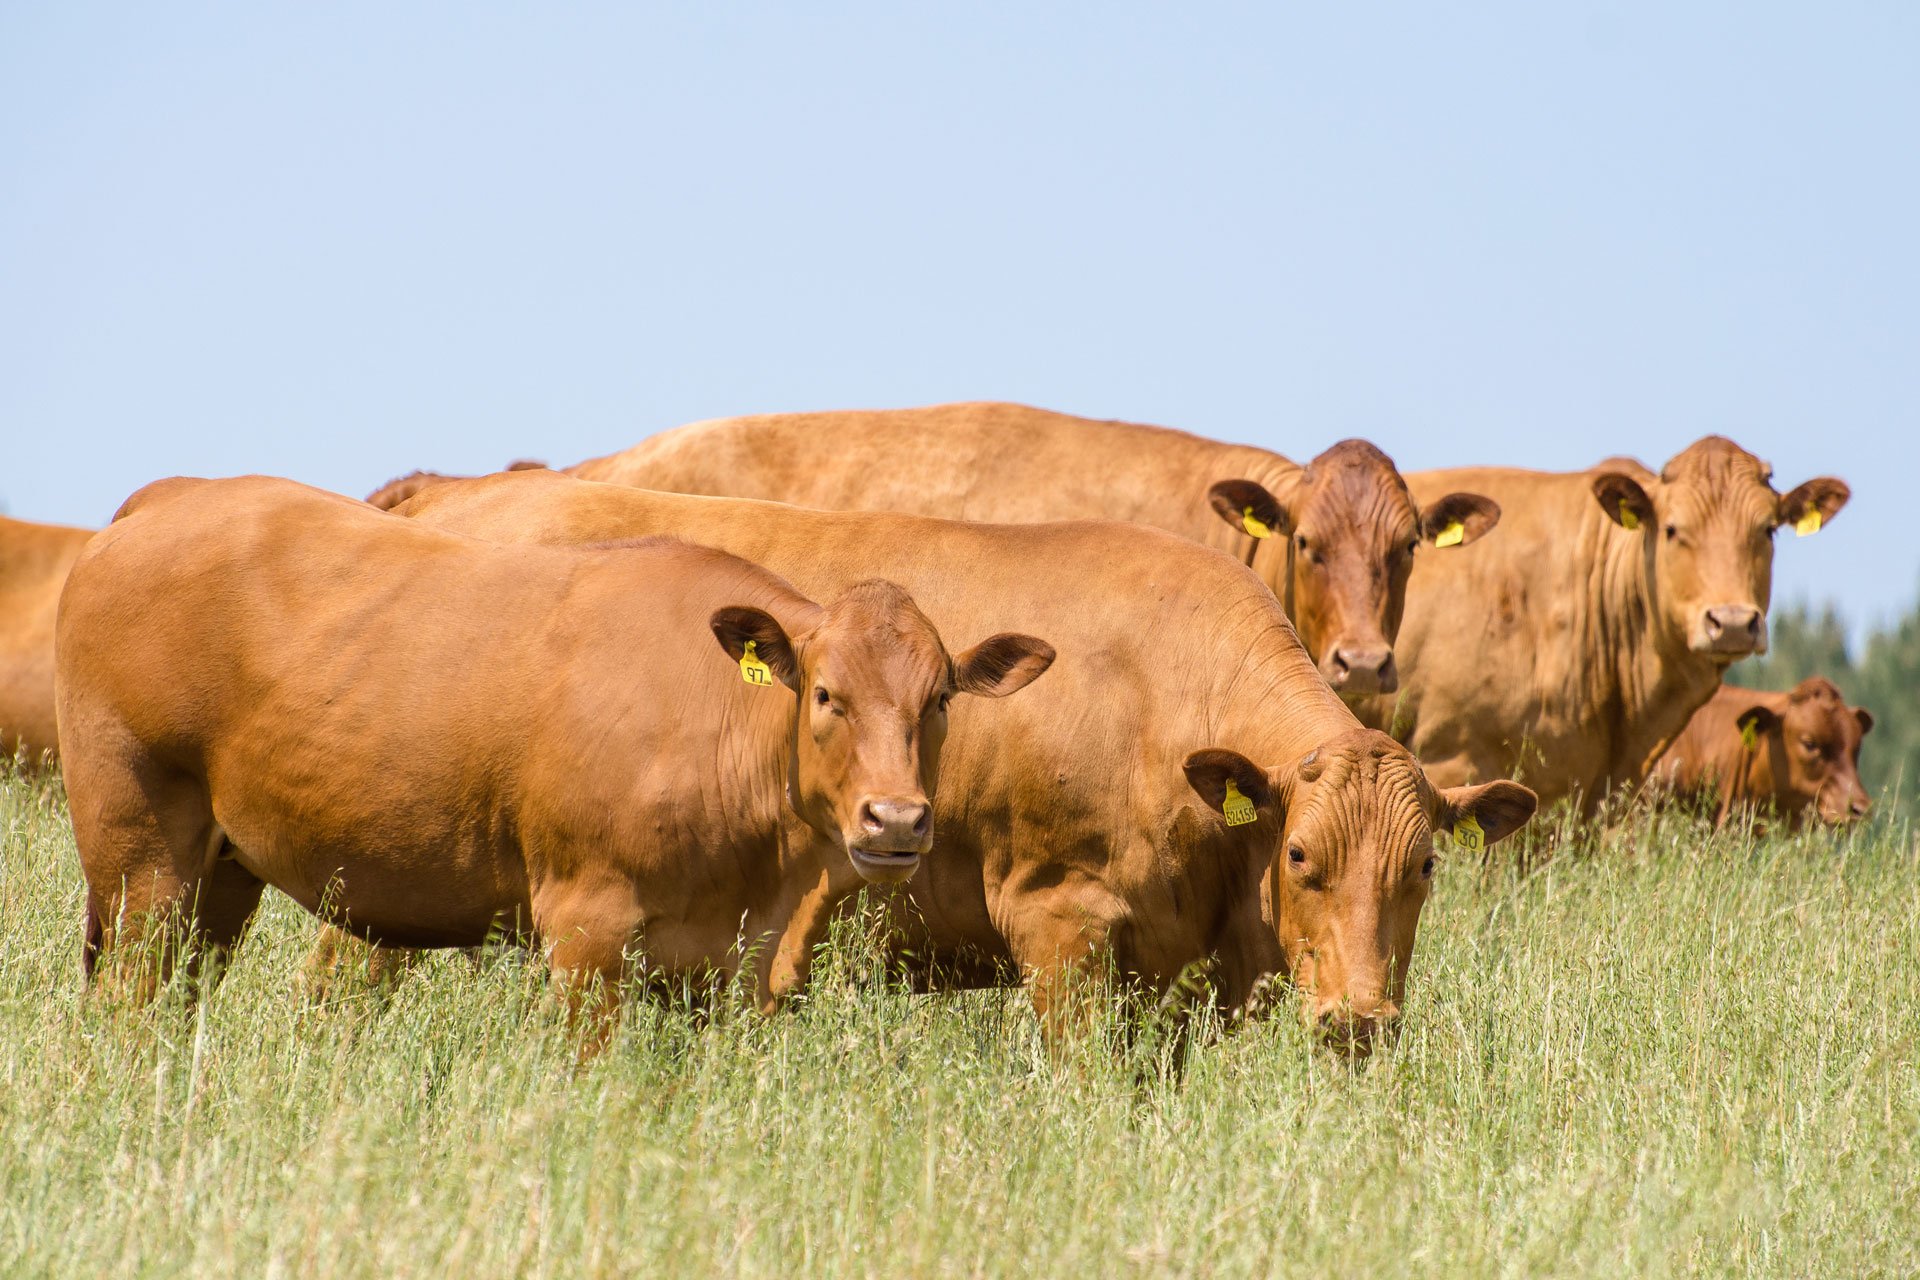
{"x":1672,"y":1054}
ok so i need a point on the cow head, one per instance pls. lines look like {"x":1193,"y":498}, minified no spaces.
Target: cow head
{"x":1353,"y":529}
{"x":1707,"y":523}
{"x":1351,"y":828}
{"x":874,"y":681}
{"x":1810,"y":739}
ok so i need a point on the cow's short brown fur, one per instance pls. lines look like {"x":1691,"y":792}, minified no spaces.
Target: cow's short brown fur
{"x":1344,"y":529}
{"x":423,"y":737}
{"x":1081,"y":823}
{"x":1571,"y":650}
{"x":34,"y":559}
{"x":1792,"y":754}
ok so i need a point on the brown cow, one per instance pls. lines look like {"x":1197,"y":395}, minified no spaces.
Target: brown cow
{"x":34,"y":559}
{"x":1571,"y":650}
{"x":420,"y":736}
{"x":1791,"y":753}
{"x":1334,"y":540}
{"x":1180,"y":774}
{"x":394,"y":492}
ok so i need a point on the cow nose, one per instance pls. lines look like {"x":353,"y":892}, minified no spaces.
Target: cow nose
{"x":1861,"y":805}
{"x":1735,"y":628}
{"x":895,"y":824}
{"x":1355,"y":1030}
{"x":1356,"y":670}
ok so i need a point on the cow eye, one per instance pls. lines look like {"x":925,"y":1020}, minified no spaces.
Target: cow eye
{"x":821,"y":696}
{"x":1413,"y":547}
{"x":1300,"y":541}
{"x":1673,"y":532}
{"x":1426,"y":868}
{"x":945,"y":698}
{"x":1297,"y":856}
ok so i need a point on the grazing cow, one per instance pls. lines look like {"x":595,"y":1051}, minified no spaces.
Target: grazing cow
{"x":1571,"y":650}
{"x":1334,"y":540}
{"x":1793,"y":753}
{"x":34,"y":559}
{"x":422,"y":737}
{"x":1182,"y":788}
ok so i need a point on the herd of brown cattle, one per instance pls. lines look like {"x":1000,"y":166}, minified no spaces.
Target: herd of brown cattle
{"x":1218,"y":714}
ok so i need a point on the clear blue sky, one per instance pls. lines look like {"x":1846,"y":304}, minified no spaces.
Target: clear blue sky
{"x":338,"y":242}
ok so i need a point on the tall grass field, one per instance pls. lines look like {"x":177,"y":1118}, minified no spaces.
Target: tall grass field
{"x":1662,"y":1051}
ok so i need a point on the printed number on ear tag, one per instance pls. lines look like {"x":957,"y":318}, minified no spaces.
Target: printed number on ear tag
{"x":1628,"y":520}
{"x":1749,"y":735}
{"x":1258,"y":528}
{"x":752,"y":670}
{"x":1452,"y":536}
{"x":1468,"y":834}
{"x":1808,"y":523}
{"x":1238,"y":808}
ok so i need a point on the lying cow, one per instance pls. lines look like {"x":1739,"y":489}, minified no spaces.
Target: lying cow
{"x":1571,"y":650}
{"x":1334,"y":540}
{"x":1182,"y":789}
{"x":34,"y":559}
{"x":1789,"y":753}
{"x":422,"y":737}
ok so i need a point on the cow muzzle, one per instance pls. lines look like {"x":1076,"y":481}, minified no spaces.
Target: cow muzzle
{"x":1840,"y":807}
{"x":1360,"y":671}
{"x":890,"y":834}
{"x":1733,"y":629}
{"x":1355,"y":1030}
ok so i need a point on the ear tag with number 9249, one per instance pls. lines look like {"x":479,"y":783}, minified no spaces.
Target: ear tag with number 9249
{"x":752,"y":670}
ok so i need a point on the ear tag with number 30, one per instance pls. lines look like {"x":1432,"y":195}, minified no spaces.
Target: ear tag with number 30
{"x":1467,"y":833}
{"x":1808,"y":523}
{"x":1749,"y":735}
{"x":1452,"y":536}
{"x":1628,"y":520}
{"x":1255,"y":526}
{"x":752,"y":670}
{"x":1238,"y":808}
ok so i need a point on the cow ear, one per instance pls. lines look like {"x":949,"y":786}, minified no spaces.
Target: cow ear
{"x":1210,"y":770}
{"x":1622,"y":498}
{"x":1865,"y":717}
{"x":1500,"y":808}
{"x":1000,"y":665}
{"x":1457,"y":519}
{"x":737,"y":626}
{"x":1759,"y":717}
{"x":1813,"y":504}
{"x":1249,"y":507}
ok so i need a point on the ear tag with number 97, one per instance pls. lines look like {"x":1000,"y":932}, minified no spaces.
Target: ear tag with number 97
{"x":1467,"y":833}
{"x":1749,"y":735}
{"x":752,"y":670}
{"x":1808,"y":523}
{"x":1255,"y":526}
{"x":1238,"y":808}
{"x":1628,"y":520}
{"x":1452,"y":536}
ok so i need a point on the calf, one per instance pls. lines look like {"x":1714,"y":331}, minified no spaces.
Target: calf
{"x":1793,"y":753}
{"x":422,"y":738}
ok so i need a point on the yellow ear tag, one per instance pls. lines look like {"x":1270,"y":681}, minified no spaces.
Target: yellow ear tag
{"x":1452,"y":536}
{"x":1238,"y":808}
{"x":752,"y":670}
{"x":1808,"y":523}
{"x":1749,"y":735}
{"x":1468,"y":834}
{"x":1628,"y":520}
{"x":1258,"y":529}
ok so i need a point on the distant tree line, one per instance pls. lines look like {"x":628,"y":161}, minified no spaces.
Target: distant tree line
{"x":1885,"y":679}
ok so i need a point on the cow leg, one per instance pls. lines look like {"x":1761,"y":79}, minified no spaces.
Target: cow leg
{"x":334,"y":950}
{"x":1064,"y":943}
{"x":157,"y":886}
{"x":586,"y":926}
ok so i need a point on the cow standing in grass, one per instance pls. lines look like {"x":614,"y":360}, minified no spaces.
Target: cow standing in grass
{"x":1793,"y":754}
{"x":34,"y":559}
{"x":1571,"y":650}
{"x":424,"y":738}
{"x":1183,"y":789}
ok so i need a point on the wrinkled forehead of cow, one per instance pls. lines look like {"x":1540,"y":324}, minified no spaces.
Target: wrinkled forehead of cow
{"x":1817,"y":708}
{"x":874,"y":632}
{"x":1367,"y":793}
{"x":1354,"y":483}
{"x":1716,"y":472}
